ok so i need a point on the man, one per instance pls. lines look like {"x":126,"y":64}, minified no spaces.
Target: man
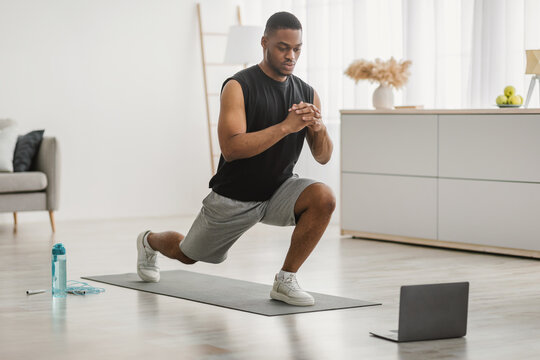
{"x":266,"y":112}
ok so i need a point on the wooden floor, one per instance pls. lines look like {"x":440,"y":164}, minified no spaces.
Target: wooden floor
{"x":504,"y":308}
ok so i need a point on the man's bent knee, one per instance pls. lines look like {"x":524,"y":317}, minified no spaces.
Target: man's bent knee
{"x":318,"y":197}
{"x":324,"y":200}
{"x":328,"y":202}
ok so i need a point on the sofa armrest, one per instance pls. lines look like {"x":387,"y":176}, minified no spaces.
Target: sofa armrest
{"x":48,"y":161}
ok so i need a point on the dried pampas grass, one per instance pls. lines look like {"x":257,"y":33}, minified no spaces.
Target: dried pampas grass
{"x":389,"y":72}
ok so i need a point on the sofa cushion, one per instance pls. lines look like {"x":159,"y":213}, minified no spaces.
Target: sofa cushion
{"x":8,"y":140}
{"x":26,"y":149}
{"x":22,"y":182}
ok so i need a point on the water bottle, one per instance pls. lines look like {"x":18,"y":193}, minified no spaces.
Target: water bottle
{"x":58,"y":270}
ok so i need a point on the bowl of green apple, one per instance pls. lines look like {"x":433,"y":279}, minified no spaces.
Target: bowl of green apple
{"x":509,"y":99}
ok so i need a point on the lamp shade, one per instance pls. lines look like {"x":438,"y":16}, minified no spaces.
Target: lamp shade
{"x":243,"y":45}
{"x":533,"y":62}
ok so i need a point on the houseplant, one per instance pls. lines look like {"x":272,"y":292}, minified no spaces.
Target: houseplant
{"x":388,"y":74}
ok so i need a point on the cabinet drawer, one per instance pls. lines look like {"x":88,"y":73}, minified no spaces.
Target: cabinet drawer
{"x":394,"y":205}
{"x":389,"y":144}
{"x":490,"y":213}
{"x":490,"y":147}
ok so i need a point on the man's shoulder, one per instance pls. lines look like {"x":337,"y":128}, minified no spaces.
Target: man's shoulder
{"x":246,"y":73}
{"x":244,"y":77}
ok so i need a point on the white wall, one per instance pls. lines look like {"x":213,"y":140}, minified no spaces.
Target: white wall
{"x":119,"y":83}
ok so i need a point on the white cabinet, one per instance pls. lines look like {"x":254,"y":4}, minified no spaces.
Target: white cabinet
{"x":389,"y":144}
{"x":467,"y":179}
{"x":392,"y":205}
{"x":493,"y":213}
{"x":494,"y":147}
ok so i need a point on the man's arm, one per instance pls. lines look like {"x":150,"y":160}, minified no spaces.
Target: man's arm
{"x":317,"y":137}
{"x":234,"y":142}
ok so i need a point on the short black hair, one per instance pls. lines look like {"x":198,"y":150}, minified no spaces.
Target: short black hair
{"x":282,"y":20}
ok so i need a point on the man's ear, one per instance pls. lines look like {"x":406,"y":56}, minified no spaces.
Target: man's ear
{"x":264,"y":42}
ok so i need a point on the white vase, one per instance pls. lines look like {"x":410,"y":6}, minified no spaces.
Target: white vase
{"x":383,"y":97}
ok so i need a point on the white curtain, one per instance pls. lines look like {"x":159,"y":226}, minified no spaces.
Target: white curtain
{"x":463,"y":52}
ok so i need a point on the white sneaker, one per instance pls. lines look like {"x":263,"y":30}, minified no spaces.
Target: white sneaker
{"x":288,"y":290}
{"x":147,"y":268}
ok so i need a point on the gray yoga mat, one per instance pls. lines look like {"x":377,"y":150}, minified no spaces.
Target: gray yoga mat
{"x":229,"y":293}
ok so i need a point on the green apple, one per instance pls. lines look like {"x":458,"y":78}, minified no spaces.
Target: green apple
{"x":521,"y":98}
{"x":501,"y":99}
{"x":509,"y":91}
{"x":515,"y":100}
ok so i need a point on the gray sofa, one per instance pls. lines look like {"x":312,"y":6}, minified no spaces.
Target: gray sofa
{"x":34,"y":190}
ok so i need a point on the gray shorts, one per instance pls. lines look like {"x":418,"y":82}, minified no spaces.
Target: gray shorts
{"x":222,"y":220}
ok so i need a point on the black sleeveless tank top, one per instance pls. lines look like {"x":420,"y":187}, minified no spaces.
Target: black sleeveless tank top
{"x":266,"y":102}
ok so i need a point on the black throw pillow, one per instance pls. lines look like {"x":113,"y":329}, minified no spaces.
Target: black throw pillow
{"x":26,"y":149}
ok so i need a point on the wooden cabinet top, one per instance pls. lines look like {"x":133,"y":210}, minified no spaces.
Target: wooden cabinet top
{"x":441,"y":111}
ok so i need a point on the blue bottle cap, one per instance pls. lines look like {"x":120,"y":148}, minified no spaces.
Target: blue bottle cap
{"x":58,"y":249}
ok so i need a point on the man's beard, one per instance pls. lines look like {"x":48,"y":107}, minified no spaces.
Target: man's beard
{"x":270,"y":62}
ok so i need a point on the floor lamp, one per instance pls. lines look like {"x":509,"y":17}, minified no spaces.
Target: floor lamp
{"x":533,"y":67}
{"x":244,"y":45}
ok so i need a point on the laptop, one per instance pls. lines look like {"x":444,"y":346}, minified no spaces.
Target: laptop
{"x":430,"y":312}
